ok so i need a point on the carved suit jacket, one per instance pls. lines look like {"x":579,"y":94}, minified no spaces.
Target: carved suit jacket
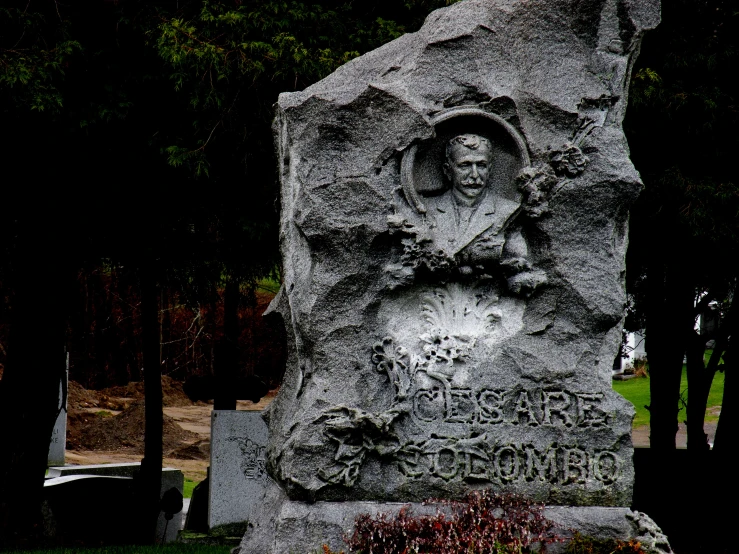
{"x":479,"y":239}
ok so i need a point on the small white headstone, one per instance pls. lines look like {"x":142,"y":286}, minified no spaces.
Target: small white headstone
{"x":237,"y":465}
{"x":58,"y":443}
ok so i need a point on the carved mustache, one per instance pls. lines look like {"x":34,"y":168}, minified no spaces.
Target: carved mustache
{"x":473,"y":182}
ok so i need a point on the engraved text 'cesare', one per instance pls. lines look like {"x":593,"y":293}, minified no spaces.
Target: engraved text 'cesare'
{"x":526,"y":407}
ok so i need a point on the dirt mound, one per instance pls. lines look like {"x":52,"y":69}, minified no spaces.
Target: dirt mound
{"x":172,"y":393}
{"x":79,"y":398}
{"x":89,"y":431}
{"x":198,"y":451}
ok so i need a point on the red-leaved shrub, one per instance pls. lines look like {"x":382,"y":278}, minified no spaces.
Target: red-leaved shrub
{"x":482,"y":522}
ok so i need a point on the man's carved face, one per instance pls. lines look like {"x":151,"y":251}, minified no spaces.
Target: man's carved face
{"x":467,"y":166}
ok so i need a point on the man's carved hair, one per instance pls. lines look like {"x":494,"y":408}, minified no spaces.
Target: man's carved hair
{"x":473,"y":142}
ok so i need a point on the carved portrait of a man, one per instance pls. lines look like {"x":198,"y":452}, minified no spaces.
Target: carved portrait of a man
{"x":472,"y":224}
{"x":469,"y":207}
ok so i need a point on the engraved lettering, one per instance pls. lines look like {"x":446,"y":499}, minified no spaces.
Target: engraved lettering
{"x":475,"y":458}
{"x":451,"y":458}
{"x":458,"y":405}
{"x":447,"y":438}
{"x":525,"y":409}
{"x":605,"y":466}
{"x":463,"y":406}
{"x":556,"y":403}
{"x":491,"y":406}
{"x":589,"y":412}
{"x":506,"y":462}
{"x":575,"y":465}
{"x":541,"y":466}
{"x":409,"y":461}
{"x":429,"y":405}
{"x":477,"y":466}
{"x":446,"y":464}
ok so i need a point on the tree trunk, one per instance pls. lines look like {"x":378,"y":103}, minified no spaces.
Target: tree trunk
{"x":726,"y":434}
{"x":87,"y":326}
{"x":728,"y":422}
{"x":29,"y":390}
{"x":669,"y":310}
{"x":697,"y":392}
{"x":699,"y":384}
{"x":166,"y":331}
{"x":226,"y":362}
{"x":151,"y":465}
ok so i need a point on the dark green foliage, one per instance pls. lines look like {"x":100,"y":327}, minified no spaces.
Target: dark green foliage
{"x":230,"y":60}
{"x":681,"y":125}
{"x":30,"y":64}
{"x":134,"y":88}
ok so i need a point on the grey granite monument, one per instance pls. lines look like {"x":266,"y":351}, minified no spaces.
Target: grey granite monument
{"x":453,"y":231}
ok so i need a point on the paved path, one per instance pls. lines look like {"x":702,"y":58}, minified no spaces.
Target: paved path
{"x":185,"y":509}
{"x":640,"y":435}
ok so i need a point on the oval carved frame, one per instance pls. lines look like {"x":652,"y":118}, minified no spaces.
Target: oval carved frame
{"x":408,"y":164}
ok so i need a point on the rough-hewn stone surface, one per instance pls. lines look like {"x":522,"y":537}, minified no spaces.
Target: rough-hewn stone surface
{"x":454,"y":326}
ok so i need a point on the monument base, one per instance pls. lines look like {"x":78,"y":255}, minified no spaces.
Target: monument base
{"x":283,"y":525}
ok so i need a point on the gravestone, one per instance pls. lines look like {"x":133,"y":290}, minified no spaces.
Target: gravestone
{"x":58,"y":442}
{"x":453,"y":231}
{"x":238,"y":475}
{"x":57,"y":476}
{"x":89,"y":508}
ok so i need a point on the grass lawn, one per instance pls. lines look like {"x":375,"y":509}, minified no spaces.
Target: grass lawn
{"x":166,"y":549}
{"x":636,"y":391}
{"x":189,"y":486}
{"x":268,"y":285}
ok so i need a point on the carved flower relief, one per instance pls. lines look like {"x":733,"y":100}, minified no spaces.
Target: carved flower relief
{"x":438,"y":347}
{"x":568,"y":161}
{"x":253,"y":461}
{"x":536,"y":184}
{"x":356,"y":434}
{"x":394,"y":362}
{"x":455,"y":316}
{"x":418,"y":250}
